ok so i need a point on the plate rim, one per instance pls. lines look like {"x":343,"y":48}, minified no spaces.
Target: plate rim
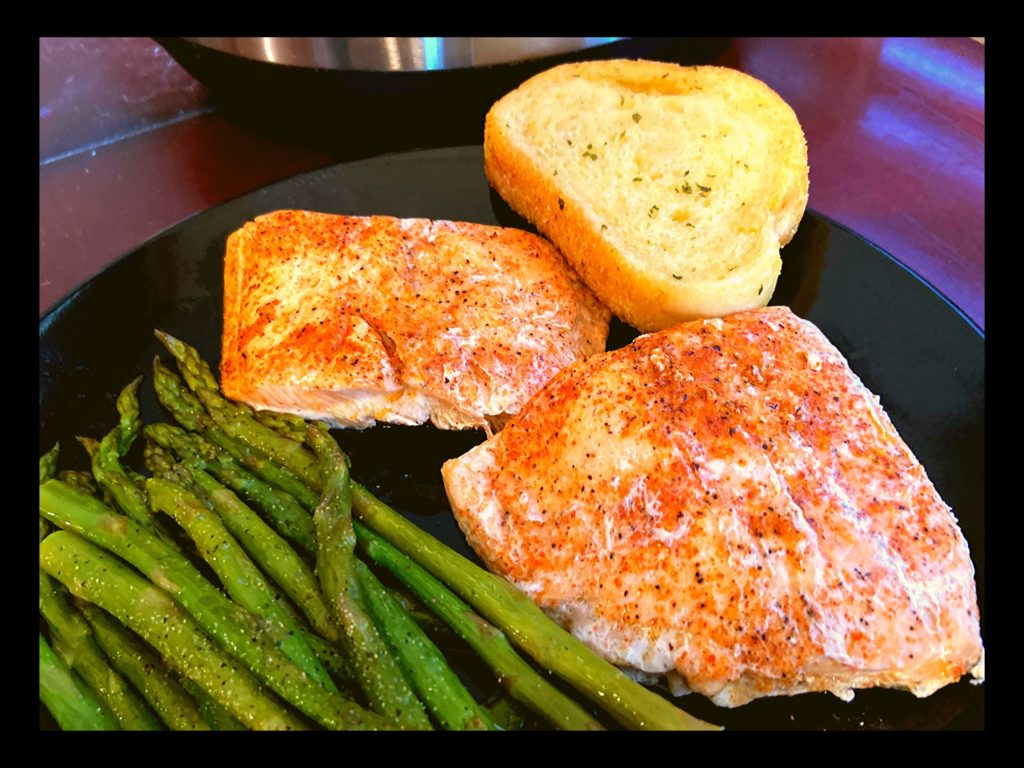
{"x":456,"y":154}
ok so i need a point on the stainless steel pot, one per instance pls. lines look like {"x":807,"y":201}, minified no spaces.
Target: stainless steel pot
{"x":355,"y":97}
{"x":397,"y":54}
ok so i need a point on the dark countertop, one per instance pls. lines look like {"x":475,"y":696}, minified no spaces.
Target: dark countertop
{"x":131,"y":144}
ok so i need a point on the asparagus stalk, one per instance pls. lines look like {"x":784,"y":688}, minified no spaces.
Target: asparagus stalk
{"x":333,"y":659}
{"x":239,"y":632}
{"x":47,"y":469}
{"x":215,"y":715}
{"x":239,"y":575}
{"x":285,"y":424}
{"x":287,"y":517}
{"x":179,"y":400}
{"x":376,"y":669}
{"x":93,"y":575}
{"x":188,"y":411}
{"x":522,"y":681}
{"x":527,"y":626}
{"x":315,"y":608}
{"x":237,"y":420}
{"x":107,"y":469}
{"x":91,"y":446}
{"x":431,"y":624}
{"x":73,"y":704}
{"x":74,"y":643}
{"x":424,"y":665}
{"x":145,"y":670}
{"x":270,"y":552}
{"x":130,"y":422}
{"x":291,"y":455}
{"x":194,"y":369}
{"x":286,"y":483}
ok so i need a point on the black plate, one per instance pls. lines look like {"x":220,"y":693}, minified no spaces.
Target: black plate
{"x":910,"y":346}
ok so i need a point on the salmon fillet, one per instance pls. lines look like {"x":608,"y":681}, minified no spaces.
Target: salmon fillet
{"x":726,"y":505}
{"x":354,"y":320}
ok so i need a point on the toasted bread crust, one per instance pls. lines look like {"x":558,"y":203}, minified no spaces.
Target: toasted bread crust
{"x":620,"y":270}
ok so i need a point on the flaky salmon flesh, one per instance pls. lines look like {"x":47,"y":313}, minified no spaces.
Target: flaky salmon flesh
{"x":726,"y":505}
{"x":355,"y":319}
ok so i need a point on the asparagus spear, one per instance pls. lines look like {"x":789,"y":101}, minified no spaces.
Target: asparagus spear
{"x":106,"y":463}
{"x":521,"y":680}
{"x":91,"y":446}
{"x":73,"y":705}
{"x":333,"y":660}
{"x":510,"y":609}
{"x":130,"y":422}
{"x":239,"y":575}
{"x":194,"y":369}
{"x":425,"y":666}
{"x":159,"y":461}
{"x":237,"y":420}
{"x":215,"y":714}
{"x":431,"y":624}
{"x":188,"y":411}
{"x":376,"y":669}
{"x":237,"y":630}
{"x":287,"y":517}
{"x":47,"y":469}
{"x":270,"y":552}
{"x":93,"y":575}
{"x":74,"y":643}
{"x":285,"y":424}
{"x":291,"y":455}
{"x":145,"y":670}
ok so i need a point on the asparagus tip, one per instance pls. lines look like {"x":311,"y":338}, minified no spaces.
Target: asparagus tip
{"x":173,"y":345}
{"x":90,"y":444}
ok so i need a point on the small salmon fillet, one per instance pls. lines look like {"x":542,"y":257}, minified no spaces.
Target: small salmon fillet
{"x":361,"y":319}
{"x":726,"y":505}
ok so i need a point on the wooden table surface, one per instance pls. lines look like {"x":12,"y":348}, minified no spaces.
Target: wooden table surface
{"x":131,"y":144}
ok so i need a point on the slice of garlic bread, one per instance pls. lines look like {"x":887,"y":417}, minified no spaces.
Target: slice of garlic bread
{"x":670,"y":189}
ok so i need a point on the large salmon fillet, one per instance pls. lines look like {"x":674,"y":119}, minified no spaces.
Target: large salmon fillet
{"x":724,"y":503}
{"x":361,"y":319}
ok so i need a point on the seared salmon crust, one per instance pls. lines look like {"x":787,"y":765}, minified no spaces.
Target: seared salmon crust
{"x":724,"y":503}
{"x":357,"y":319}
